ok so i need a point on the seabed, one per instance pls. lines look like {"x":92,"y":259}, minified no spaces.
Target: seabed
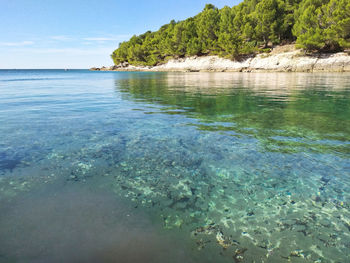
{"x":239,"y":191}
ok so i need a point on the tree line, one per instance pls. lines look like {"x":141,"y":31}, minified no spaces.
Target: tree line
{"x":247,"y":28}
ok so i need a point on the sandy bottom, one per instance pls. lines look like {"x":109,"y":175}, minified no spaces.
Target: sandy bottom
{"x":78,"y":224}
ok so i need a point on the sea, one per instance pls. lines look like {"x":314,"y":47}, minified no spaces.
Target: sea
{"x":174,"y":167}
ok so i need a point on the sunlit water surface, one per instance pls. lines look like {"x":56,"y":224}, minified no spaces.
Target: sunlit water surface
{"x":174,"y":167}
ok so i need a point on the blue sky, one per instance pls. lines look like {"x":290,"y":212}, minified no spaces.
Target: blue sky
{"x":81,"y":33}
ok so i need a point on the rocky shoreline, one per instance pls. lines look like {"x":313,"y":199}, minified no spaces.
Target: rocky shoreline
{"x":291,"y":60}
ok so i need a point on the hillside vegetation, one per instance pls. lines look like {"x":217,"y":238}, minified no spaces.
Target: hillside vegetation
{"x":250,"y":27}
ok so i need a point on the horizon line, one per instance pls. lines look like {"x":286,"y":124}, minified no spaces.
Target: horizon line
{"x":42,"y":68}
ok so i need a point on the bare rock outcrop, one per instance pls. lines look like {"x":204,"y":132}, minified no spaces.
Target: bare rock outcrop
{"x":279,"y":60}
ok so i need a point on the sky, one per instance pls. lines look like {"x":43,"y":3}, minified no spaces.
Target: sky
{"x":81,"y":33}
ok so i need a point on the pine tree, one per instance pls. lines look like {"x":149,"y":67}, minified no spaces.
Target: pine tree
{"x":337,"y":23}
{"x":309,"y":28}
{"x":269,"y":16}
{"x":208,"y":24}
{"x":242,"y":29}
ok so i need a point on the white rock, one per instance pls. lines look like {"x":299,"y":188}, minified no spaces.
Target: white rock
{"x":291,"y":61}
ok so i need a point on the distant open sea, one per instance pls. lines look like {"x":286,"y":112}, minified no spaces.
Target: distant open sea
{"x":174,"y":167}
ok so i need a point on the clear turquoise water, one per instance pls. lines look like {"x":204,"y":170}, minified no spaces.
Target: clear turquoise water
{"x":226,"y":167}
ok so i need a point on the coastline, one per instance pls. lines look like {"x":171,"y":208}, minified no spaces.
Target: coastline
{"x":276,"y":61}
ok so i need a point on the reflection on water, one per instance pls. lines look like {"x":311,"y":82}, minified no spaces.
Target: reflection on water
{"x":273,"y":83}
{"x":285,"y":112}
{"x":246,"y":167}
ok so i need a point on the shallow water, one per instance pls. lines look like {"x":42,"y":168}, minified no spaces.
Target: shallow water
{"x":188,"y":167}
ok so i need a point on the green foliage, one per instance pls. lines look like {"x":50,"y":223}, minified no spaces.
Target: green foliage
{"x":244,"y":29}
{"x":308,"y":27}
{"x":269,"y":16}
{"x":337,"y":20}
{"x":208,"y":28}
{"x":323,"y":24}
